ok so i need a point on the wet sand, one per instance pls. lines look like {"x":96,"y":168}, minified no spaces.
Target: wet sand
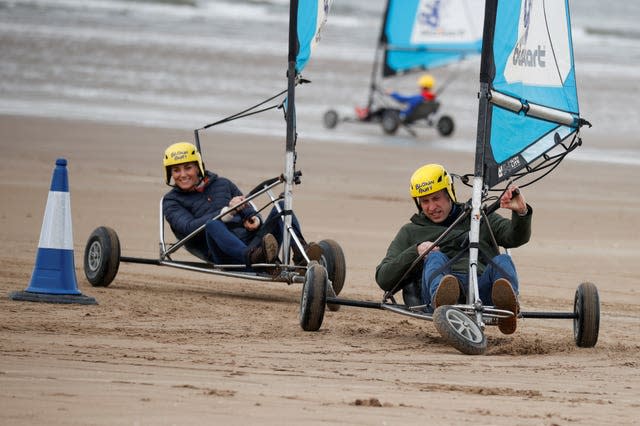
{"x":166,"y":346}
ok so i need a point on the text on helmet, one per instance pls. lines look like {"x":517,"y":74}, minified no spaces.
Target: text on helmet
{"x":424,"y":187}
{"x":179,"y":155}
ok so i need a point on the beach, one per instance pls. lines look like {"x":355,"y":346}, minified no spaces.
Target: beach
{"x":167,"y":346}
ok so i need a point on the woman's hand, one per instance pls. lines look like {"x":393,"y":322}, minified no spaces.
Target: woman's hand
{"x":252,"y":223}
{"x":237,"y":203}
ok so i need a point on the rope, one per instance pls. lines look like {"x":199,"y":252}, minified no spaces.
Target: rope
{"x":249,"y":111}
{"x":547,"y":161}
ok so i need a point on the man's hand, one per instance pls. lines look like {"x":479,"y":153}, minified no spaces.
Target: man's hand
{"x":513,"y":199}
{"x":423,"y":247}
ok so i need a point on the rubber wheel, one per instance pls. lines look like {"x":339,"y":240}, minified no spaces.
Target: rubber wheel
{"x":586,"y":307}
{"x":314,"y":297}
{"x":445,"y":125}
{"x":102,"y":256}
{"x":459,"y":330}
{"x":334,"y":261}
{"x":330,"y":119}
{"x":390,"y":121}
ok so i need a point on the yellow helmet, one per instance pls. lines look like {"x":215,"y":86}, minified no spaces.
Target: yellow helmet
{"x":180,"y":153}
{"x":427,"y":81}
{"x":429,"y":179}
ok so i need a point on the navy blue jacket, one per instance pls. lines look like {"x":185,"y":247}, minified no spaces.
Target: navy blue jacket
{"x":186,"y":211}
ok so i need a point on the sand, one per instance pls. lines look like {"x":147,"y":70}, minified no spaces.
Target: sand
{"x":166,"y":346}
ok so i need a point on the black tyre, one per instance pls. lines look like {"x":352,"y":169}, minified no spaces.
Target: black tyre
{"x":586,"y":307}
{"x":330,"y":119}
{"x":459,"y":330}
{"x":390,"y":121}
{"x":445,"y":125}
{"x":314,"y":297}
{"x":102,"y":256}
{"x":335,"y":263}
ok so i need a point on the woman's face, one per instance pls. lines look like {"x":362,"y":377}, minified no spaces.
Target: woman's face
{"x":185,"y":175}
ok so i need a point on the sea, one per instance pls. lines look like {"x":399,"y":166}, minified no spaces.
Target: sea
{"x":184,"y":64}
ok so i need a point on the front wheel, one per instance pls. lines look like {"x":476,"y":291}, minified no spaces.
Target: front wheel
{"x":445,"y":125}
{"x":459,"y":330}
{"x":586,"y":307}
{"x":314,"y":297}
{"x":102,"y":256}
{"x":330,"y":119}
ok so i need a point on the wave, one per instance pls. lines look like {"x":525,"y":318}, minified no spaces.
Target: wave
{"x":623,"y":33}
{"x":271,"y":11}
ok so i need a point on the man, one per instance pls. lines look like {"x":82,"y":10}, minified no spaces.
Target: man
{"x":411,"y":102}
{"x":444,"y":277}
{"x":198,"y":195}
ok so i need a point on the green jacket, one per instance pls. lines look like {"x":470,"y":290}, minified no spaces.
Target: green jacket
{"x":403,"y":249}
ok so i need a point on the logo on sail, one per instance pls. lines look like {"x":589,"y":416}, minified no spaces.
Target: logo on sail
{"x":429,"y":14}
{"x":322,"y":18}
{"x":530,"y":57}
{"x":441,"y":22}
{"x":522,"y":55}
{"x":542,"y":25}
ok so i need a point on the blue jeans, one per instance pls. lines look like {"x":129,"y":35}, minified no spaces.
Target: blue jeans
{"x":436,"y":260}
{"x":225,"y":247}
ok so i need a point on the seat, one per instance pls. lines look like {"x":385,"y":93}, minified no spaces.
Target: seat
{"x":411,"y":293}
{"x":422,"y":111}
{"x":198,"y":253}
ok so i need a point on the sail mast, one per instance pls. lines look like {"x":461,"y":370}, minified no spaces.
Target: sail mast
{"x":482,"y":138}
{"x":487,"y":69}
{"x":382,"y":40}
{"x":290,"y":115}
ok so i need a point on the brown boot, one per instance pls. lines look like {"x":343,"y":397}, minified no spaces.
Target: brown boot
{"x":266,"y":252}
{"x":447,"y":292}
{"x":503,"y":297}
{"x":312,"y":250}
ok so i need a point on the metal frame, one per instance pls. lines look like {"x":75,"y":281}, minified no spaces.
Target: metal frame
{"x":482,"y":315}
{"x":288,"y":272}
{"x":473,"y":308}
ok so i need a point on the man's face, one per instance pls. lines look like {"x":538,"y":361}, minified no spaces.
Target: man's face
{"x":436,"y":206}
{"x":185,"y":175}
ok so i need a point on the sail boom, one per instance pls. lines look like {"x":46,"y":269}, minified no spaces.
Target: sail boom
{"x":471,"y":49}
{"x":550,"y":114}
{"x":533,"y":110}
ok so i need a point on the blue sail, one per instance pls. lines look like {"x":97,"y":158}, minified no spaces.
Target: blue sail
{"x":425,"y":34}
{"x":529,"y":67}
{"x":311,"y":18}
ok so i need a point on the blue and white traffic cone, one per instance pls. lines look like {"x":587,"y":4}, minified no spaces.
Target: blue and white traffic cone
{"x":54,"y":275}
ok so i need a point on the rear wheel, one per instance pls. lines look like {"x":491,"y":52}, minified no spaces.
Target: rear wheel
{"x":334,"y":261}
{"x":390,"y":121}
{"x":586,"y":307}
{"x":445,"y":125}
{"x":314,"y":297}
{"x":102,"y":256}
{"x":459,"y":330}
{"x":330,"y":119}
